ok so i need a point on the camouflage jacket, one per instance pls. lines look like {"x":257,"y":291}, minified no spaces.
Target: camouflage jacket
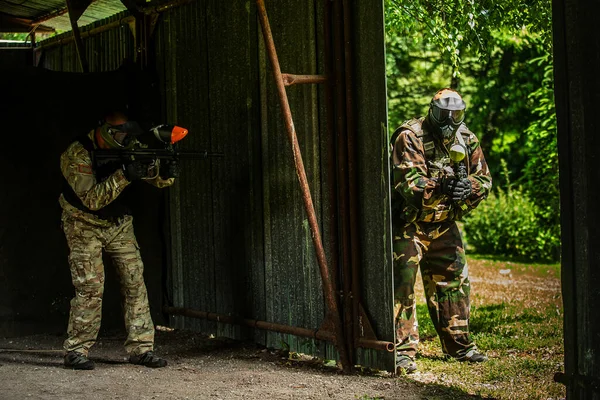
{"x":419,"y":162}
{"x":77,"y":168}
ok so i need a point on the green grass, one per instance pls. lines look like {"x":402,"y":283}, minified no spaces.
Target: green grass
{"x":522,"y":336}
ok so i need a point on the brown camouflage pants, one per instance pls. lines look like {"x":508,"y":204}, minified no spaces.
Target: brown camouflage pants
{"x":438,"y":250}
{"x":86,"y":240}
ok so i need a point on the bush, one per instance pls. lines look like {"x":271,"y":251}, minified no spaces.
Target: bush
{"x":509,"y":224}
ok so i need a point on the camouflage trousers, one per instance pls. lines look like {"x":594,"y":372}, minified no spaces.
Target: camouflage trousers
{"x":87,"y":240}
{"x":437,"y":250}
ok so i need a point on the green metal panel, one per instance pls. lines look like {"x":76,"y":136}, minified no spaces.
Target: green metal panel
{"x":375,"y":221}
{"x":292,"y":278}
{"x":240,"y":237}
{"x":182,"y":63}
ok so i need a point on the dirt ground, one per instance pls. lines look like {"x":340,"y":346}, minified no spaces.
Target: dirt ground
{"x":199,"y":368}
{"x":206,"y":368}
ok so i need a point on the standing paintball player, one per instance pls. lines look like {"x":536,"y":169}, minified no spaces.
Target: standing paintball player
{"x":432,"y":189}
{"x":96,"y":217}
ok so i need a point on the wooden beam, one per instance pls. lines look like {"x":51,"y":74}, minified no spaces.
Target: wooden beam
{"x":76,"y":9}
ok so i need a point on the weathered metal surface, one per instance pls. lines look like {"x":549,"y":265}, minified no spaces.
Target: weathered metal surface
{"x":97,"y":11}
{"x":31,"y":9}
{"x":328,"y":282}
{"x":293,"y":283}
{"x":577,"y":92}
{"x":107,"y":43}
{"x":373,"y":175}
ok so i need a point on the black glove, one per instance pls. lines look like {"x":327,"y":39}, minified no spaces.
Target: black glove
{"x":134,"y":171}
{"x":169,"y":169}
{"x":457,"y":189}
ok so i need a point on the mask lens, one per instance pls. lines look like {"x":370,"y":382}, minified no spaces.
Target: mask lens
{"x":440,"y":115}
{"x":457,"y":116}
{"x":119,"y":135}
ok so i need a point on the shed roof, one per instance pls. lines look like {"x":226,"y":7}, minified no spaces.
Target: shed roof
{"x":50,"y":15}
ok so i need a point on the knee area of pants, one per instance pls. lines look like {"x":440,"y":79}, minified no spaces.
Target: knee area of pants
{"x":90,"y":288}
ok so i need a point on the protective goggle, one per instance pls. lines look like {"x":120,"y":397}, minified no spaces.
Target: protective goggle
{"x":123,"y":132}
{"x":441,"y":115}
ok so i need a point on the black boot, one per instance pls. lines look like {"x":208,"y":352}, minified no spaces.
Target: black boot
{"x":474,"y":356}
{"x":148,"y":359}
{"x":75,"y":360}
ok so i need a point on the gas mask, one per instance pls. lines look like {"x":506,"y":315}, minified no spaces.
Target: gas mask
{"x":119,"y":136}
{"x":446,"y":113}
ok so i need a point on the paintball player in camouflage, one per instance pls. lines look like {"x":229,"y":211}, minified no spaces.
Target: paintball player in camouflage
{"x":428,"y":196}
{"x":96,"y":217}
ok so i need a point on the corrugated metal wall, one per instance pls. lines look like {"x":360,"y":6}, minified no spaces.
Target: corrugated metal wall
{"x":245,"y":246}
{"x":240,"y":240}
{"x":104,"y":51}
{"x":373,"y":176}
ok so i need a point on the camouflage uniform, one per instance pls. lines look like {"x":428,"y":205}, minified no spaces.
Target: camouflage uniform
{"x":88,"y":232}
{"x":426,"y":235}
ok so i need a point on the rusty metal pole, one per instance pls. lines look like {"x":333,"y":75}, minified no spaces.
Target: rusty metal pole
{"x":317,"y":334}
{"x":308,"y":203}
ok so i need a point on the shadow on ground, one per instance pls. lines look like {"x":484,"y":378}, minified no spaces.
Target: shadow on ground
{"x":199,"y":368}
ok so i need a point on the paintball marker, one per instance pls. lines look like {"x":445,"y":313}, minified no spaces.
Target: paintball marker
{"x":167,"y":136}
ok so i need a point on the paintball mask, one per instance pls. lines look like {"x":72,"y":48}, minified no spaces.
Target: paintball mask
{"x":119,"y":136}
{"x":446,"y":113}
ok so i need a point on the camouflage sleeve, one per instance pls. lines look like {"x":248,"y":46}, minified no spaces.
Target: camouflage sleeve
{"x":411,"y":174}
{"x":76,"y":167}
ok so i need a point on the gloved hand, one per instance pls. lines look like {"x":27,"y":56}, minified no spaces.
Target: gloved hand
{"x":457,"y":189}
{"x":134,"y":171}
{"x":169,"y":169}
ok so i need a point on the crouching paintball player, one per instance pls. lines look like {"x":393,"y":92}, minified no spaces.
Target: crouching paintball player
{"x":96,"y":218}
{"x":439,"y":175}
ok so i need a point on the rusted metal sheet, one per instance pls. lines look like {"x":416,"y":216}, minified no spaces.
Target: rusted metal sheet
{"x":251,"y":252}
{"x":327,"y":280}
{"x":293,"y":283}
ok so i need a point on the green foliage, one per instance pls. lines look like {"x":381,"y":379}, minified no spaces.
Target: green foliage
{"x":508,"y":223}
{"x":14,"y":36}
{"x":540,"y":175}
{"x":498,"y":55}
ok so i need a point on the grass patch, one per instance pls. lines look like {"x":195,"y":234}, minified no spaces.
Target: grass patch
{"x":516,"y":319}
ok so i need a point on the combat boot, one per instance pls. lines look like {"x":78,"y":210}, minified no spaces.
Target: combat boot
{"x":405,"y":364}
{"x":473,"y":356}
{"x":75,"y":360}
{"x":148,"y":359}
